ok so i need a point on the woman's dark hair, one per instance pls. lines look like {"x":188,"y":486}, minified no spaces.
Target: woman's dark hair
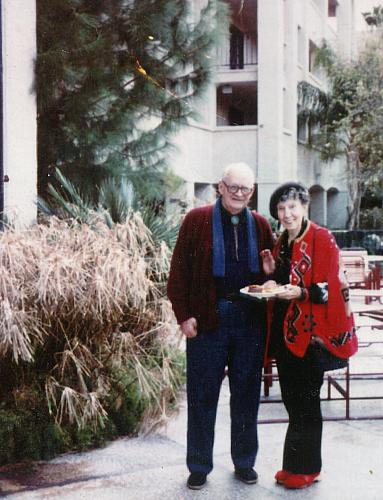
{"x":288,"y":191}
{"x":295,"y":194}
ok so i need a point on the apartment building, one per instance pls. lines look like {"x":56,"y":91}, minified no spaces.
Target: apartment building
{"x":249,"y":112}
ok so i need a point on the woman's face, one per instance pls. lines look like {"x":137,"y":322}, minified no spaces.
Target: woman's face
{"x":290,"y":215}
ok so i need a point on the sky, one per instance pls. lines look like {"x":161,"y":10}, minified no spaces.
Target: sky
{"x":364,"y":6}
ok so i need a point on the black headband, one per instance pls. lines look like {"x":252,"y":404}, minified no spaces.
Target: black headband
{"x":284,"y":190}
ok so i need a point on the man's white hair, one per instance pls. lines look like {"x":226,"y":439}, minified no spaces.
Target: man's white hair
{"x":241,"y":168}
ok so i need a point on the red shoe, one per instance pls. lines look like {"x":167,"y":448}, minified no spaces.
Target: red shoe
{"x":281,"y":476}
{"x":299,"y":481}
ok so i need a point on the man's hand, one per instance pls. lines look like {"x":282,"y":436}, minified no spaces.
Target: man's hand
{"x":189,"y":328}
{"x":268,"y":261}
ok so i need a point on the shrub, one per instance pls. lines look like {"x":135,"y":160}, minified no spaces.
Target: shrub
{"x":85,"y":335}
{"x":371,"y":218}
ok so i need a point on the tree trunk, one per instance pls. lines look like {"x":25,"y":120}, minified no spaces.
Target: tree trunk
{"x":354,"y":187}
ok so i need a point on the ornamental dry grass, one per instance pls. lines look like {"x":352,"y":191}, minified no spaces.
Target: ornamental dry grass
{"x":81,"y":303}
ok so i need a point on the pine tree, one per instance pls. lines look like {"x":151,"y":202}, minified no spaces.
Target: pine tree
{"x":114,"y":80}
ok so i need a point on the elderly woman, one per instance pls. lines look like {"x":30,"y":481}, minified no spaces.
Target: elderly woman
{"x":310,"y":322}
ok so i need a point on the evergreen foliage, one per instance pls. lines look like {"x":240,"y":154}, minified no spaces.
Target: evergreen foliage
{"x":350,"y":118}
{"x":114,"y":80}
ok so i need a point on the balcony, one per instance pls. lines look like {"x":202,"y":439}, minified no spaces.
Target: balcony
{"x":237,"y":52}
{"x":237,"y":104}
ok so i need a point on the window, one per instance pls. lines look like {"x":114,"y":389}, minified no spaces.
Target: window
{"x":302,"y":129}
{"x":313,"y":49}
{"x":306,"y":129}
{"x":332,"y":5}
{"x":236,"y":48}
{"x":313,"y":67}
{"x":312,"y":130}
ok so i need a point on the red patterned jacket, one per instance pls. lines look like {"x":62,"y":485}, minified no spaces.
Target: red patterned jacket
{"x":315,"y":259}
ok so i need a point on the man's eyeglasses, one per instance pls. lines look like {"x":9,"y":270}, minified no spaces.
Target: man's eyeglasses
{"x":234,"y":188}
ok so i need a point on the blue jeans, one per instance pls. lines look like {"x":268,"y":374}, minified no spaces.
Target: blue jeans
{"x":238,"y":343}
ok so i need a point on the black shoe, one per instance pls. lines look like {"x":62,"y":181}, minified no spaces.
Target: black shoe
{"x":248,"y":476}
{"x":196,"y":480}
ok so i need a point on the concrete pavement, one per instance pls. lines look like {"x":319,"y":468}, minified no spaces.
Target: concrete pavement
{"x":153,"y":467}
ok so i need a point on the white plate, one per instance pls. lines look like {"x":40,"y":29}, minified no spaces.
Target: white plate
{"x":261,"y":295}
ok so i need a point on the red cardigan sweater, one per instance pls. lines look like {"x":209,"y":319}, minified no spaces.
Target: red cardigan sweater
{"x":315,"y":259}
{"x":191,"y":285}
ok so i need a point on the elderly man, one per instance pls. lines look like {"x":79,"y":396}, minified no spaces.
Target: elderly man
{"x":217,"y":253}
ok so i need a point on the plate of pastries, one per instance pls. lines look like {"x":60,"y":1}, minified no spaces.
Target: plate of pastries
{"x":261,"y":291}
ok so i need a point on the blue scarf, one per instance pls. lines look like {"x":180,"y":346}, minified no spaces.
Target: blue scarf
{"x":219,"y":244}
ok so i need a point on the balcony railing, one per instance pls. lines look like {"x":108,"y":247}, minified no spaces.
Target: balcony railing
{"x":237,"y":52}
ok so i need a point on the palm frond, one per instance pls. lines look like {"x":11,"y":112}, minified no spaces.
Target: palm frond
{"x":66,"y":201}
{"x":163,"y":227}
{"x":116,"y":197}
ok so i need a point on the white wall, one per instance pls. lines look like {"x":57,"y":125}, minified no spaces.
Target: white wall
{"x":233,"y":144}
{"x":203,"y":153}
{"x":19,"y":138}
{"x":270,"y":98}
{"x":192,"y":159}
{"x":312,"y":171}
{"x":271,"y":147}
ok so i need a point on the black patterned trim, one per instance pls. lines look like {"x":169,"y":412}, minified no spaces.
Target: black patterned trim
{"x":346,"y":294}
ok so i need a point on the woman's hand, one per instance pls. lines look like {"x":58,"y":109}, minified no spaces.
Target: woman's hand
{"x":269,"y":285}
{"x":289,"y":292}
{"x":268,"y":261}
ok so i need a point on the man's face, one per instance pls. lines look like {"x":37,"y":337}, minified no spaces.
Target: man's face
{"x":235,"y":202}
